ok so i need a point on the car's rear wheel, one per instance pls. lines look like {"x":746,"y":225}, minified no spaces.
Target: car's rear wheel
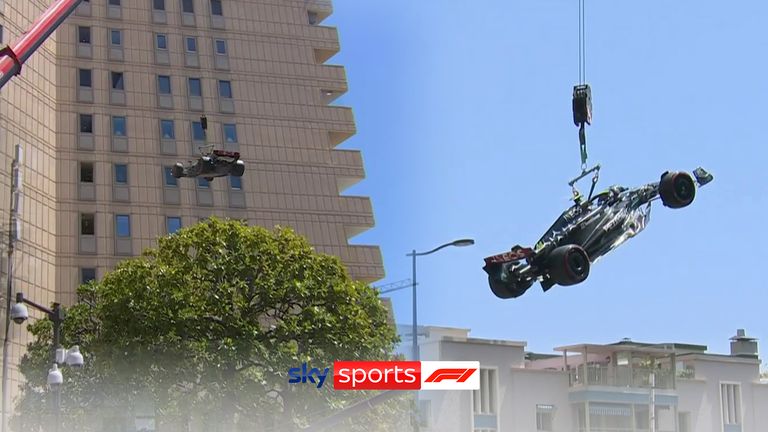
{"x":177,"y":170}
{"x":568,"y":265}
{"x":677,"y":189}
{"x":238,"y":169}
{"x":505,"y":284}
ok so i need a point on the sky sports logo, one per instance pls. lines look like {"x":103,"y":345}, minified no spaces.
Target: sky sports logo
{"x":393,"y":375}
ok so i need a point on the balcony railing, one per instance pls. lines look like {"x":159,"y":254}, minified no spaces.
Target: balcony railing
{"x":622,"y":376}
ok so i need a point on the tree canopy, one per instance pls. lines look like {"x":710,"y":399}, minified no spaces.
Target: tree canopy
{"x":203,"y":329}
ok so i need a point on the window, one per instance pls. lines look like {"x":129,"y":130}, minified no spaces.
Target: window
{"x":195,"y":89}
{"x":484,"y":399}
{"x":684,"y":422}
{"x":161,"y":41}
{"x":230,"y":133}
{"x":203,"y":183}
{"x":86,"y":123}
{"x":216,"y":8}
{"x":730,"y":397}
{"x":191,"y":44}
{"x":123,"y":225}
{"x":188,"y":6}
{"x":172,"y":224}
{"x":118,"y":83}
{"x":236,"y":183}
{"x":225,"y":89}
{"x":84,"y":34}
{"x":158,"y":5}
{"x":114,"y":2}
{"x":118,"y":126}
{"x":87,"y":224}
{"x":545,"y":417}
{"x":121,"y":174}
{"x":86,"y":172}
{"x":87,"y":275}
{"x":167,"y":129}
{"x":116,"y":37}
{"x":1,"y":34}
{"x":84,"y":77}
{"x":164,"y":84}
{"x":221,"y":46}
{"x":170,"y":180}
{"x":198,"y":134}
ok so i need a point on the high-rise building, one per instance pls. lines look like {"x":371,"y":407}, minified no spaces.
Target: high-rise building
{"x":114,"y":99}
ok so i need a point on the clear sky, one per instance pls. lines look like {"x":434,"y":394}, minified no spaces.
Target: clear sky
{"x":464,"y":120}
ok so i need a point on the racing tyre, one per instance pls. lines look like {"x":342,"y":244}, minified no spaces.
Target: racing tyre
{"x":677,"y":189}
{"x":177,"y":170}
{"x":504,"y":283}
{"x":568,"y":265}
{"x":238,"y":169}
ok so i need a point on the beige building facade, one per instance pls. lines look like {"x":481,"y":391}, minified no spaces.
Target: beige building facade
{"x":114,"y":99}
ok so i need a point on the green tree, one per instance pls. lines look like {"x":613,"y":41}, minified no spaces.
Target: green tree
{"x":203,"y":329}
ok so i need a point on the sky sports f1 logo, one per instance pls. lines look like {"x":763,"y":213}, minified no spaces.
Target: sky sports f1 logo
{"x":406,"y":375}
{"x":392,"y":375}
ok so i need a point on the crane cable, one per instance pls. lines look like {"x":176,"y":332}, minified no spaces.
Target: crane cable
{"x":582,"y":94}
{"x":582,"y":44}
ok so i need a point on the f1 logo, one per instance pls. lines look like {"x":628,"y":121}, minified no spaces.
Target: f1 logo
{"x":450,"y":375}
{"x":458,"y":375}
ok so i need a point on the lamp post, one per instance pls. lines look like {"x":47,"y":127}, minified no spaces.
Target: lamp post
{"x":414,"y":254}
{"x":71,"y":357}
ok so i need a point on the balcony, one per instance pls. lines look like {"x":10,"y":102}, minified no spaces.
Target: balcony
{"x":621,"y":376}
{"x":348,"y":167}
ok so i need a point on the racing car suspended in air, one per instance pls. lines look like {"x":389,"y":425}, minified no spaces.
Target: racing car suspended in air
{"x":219,"y":163}
{"x":585,"y":232}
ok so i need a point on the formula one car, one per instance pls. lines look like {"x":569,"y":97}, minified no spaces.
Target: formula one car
{"x":585,"y":232}
{"x":218,"y":163}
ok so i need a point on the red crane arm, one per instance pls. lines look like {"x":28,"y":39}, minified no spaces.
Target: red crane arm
{"x":13,"y":56}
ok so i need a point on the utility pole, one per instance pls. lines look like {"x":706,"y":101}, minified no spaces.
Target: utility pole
{"x":14,"y":235}
{"x":652,"y":407}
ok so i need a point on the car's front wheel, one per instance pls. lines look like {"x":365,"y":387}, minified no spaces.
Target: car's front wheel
{"x":178,"y":170}
{"x":568,"y":265}
{"x":238,"y":169}
{"x":677,"y":189}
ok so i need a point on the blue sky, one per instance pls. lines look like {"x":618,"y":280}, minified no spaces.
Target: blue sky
{"x":464,"y":120}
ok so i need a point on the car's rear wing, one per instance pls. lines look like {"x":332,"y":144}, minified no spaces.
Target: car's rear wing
{"x":225,"y":153}
{"x":516,"y":254}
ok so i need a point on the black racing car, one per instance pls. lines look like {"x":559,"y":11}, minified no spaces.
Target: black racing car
{"x":585,"y":232}
{"x":219,"y":163}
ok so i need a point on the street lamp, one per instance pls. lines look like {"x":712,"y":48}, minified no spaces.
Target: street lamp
{"x":414,"y":254}
{"x":70,"y":357}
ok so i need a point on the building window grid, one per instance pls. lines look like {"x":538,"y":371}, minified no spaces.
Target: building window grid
{"x":158,"y":5}
{"x":118,"y":80}
{"x":161,"y":41}
{"x":225,"y":89}
{"x":236,"y":183}
{"x":86,"y":123}
{"x":545,"y":418}
{"x":84,"y":34}
{"x":190,"y":42}
{"x":114,"y":2}
{"x":195,"y":87}
{"x":230,"y":132}
{"x":202,"y":183}
{"x":86,"y":172}
{"x":121,"y":174}
{"x":221,"y":46}
{"x":164,"y":84}
{"x":122,"y":226}
{"x":167,"y":129}
{"x":85,"y":78}
{"x":172,"y":224}
{"x":217,"y":9}
{"x":730,"y":397}
{"x":87,"y":274}
{"x":116,"y":37}
{"x":168,"y":179}
{"x":198,"y":134}
{"x":484,"y":399}
{"x":188,"y":6}
{"x":119,"y":126}
{"x":87,"y":224}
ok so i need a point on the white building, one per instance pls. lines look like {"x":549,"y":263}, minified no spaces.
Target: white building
{"x":693,"y":391}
